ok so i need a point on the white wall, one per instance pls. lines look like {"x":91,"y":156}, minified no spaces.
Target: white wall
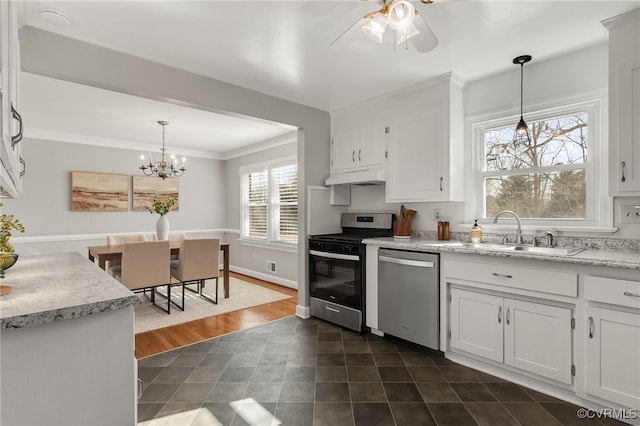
{"x":570,"y":77}
{"x":251,"y":257}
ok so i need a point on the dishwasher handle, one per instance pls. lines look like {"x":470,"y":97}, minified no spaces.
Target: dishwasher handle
{"x":406,"y":262}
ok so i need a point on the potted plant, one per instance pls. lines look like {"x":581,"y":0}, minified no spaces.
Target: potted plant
{"x":162,"y":207}
{"x":8,"y":223}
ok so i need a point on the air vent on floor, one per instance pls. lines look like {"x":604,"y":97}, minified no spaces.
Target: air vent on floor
{"x":271,"y":266}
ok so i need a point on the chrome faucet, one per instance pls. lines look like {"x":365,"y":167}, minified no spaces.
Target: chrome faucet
{"x":519,"y":231}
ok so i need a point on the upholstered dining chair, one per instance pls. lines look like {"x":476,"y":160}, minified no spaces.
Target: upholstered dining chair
{"x":145,"y":265}
{"x":174,"y":237}
{"x":198,"y":260}
{"x":113,"y":240}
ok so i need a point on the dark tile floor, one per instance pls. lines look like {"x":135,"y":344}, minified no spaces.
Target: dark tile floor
{"x":309,"y":372}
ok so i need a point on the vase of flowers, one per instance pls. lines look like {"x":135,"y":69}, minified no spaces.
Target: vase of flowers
{"x":8,"y":257}
{"x":162,"y":207}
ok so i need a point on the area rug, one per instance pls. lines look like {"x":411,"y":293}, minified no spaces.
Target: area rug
{"x":243,"y":295}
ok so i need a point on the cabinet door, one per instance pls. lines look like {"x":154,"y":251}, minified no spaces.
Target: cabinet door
{"x":626,"y":162}
{"x":613,"y":354}
{"x":476,"y":322}
{"x":538,"y":339}
{"x":344,"y":150}
{"x":414,"y":172}
{"x":374,"y":146}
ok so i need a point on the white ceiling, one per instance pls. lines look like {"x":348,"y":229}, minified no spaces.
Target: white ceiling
{"x":281,"y":48}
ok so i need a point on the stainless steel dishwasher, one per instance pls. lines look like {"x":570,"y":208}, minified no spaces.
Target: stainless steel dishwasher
{"x":408,"y":296}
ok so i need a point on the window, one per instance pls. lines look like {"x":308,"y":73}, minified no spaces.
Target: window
{"x":551,"y":179}
{"x":270,"y":202}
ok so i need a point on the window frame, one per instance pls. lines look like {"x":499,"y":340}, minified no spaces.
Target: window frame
{"x":272,"y":205}
{"x":599,"y":207}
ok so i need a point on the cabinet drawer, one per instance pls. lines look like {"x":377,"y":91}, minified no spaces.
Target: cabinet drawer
{"x":614,"y":291}
{"x":544,"y":281}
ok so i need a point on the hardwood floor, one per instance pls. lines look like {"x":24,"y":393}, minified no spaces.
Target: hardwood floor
{"x":164,"y":339}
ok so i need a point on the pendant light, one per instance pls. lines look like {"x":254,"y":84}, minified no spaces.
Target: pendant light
{"x":522,"y":130}
{"x":165,"y":167}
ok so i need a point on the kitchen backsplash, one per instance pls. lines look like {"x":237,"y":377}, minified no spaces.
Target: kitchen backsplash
{"x":627,"y":245}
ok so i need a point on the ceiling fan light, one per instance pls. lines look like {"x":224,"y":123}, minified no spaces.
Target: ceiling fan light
{"x":400,"y":15}
{"x":375,"y":27}
{"x":407,"y":33}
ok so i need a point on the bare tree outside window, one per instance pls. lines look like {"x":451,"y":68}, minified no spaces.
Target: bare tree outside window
{"x":544,"y":178}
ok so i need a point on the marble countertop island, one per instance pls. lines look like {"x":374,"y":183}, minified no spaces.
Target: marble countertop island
{"x":56,"y":287}
{"x":610,"y":258}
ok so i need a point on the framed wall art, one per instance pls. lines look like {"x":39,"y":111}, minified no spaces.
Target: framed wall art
{"x":146,"y":189}
{"x":99,"y":192}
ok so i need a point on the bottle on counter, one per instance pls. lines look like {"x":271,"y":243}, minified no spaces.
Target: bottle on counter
{"x":476,"y":233}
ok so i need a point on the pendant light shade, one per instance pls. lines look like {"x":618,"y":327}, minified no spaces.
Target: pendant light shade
{"x":521,"y":133}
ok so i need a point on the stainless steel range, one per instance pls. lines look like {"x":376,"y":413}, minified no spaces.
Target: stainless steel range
{"x":337,"y":280}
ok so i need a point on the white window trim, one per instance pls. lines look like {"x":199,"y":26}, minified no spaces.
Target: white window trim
{"x":269,"y":242}
{"x":599,"y":205}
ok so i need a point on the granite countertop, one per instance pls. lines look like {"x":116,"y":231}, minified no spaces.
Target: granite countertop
{"x":614,"y":259}
{"x":56,"y":287}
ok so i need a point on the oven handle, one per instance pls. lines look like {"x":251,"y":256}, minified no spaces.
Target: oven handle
{"x":406,"y":262}
{"x":334,"y":255}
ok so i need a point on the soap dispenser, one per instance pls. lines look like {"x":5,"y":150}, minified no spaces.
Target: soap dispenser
{"x":476,"y":233}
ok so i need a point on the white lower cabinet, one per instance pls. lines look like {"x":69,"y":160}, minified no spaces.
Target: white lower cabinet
{"x":613,"y":356}
{"x":612,"y":341}
{"x":533,"y":337}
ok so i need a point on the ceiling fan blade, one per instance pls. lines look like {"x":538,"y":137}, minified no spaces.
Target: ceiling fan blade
{"x":426,"y":40}
{"x":349,"y":36}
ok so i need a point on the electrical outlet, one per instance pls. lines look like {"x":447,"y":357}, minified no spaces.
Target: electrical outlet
{"x":436,"y":215}
{"x":630,"y":214}
{"x":271,"y":266}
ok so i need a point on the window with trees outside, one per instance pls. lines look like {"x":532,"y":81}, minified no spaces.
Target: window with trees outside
{"x":269,"y":198}
{"x":551,"y":178}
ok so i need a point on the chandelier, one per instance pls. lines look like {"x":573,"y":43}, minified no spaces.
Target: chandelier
{"x":163,"y":168}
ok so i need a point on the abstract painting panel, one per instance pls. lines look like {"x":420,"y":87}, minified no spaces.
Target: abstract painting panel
{"x":104,"y":192}
{"x":146,"y":189}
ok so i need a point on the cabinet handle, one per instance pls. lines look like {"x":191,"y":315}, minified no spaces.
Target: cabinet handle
{"x":590,"y":327}
{"x":24,"y":167}
{"x":353,"y":156}
{"x":441,"y":183}
{"x":623,"y":164}
{"x":626,"y":293}
{"x":495,"y":274}
{"x":499,"y":314}
{"x":17,"y":138}
{"x":140,"y":389}
{"x":359,"y":151}
{"x":508,"y":312}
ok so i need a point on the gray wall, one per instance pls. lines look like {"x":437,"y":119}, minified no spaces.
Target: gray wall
{"x":253,"y":257}
{"x":45,"y":205}
{"x":56,"y":56}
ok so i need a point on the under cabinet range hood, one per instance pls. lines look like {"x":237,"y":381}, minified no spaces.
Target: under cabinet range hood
{"x":372,"y":176}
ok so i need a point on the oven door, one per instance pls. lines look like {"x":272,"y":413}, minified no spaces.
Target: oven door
{"x":336,"y":277}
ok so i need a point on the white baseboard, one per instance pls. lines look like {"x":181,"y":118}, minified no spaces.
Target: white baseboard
{"x":265,"y":277}
{"x":303,"y":311}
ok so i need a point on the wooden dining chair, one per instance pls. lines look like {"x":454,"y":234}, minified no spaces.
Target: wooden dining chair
{"x":198,"y":260}
{"x":145,"y":266}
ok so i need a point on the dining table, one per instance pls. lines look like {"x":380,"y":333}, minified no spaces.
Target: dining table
{"x":114,"y":252}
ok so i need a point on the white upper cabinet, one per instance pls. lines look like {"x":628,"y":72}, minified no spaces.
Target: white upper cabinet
{"x":425,"y":151}
{"x":12,"y":165}
{"x":624,"y":104}
{"x":358,"y":148}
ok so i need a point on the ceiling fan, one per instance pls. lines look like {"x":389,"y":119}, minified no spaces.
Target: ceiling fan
{"x":399,"y":15}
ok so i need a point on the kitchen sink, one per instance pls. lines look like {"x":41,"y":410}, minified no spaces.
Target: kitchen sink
{"x":551,"y":251}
